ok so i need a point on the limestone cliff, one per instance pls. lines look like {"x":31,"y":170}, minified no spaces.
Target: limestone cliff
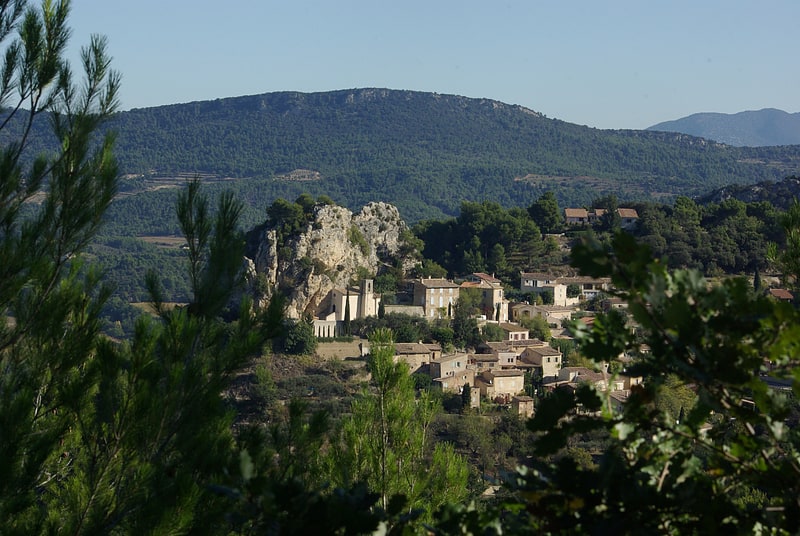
{"x":335,"y":248}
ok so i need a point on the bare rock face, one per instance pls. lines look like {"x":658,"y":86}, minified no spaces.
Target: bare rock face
{"x":336,"y":248}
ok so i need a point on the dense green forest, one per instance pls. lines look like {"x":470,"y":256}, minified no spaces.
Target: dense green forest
{"x":424,"y":152}
{"x":728,"y":236}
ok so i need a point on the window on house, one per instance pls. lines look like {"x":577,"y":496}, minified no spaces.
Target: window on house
{"x":548,"y":359}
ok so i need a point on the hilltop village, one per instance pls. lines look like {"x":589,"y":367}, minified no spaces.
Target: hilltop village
{"x":519,"y":354}
{"x":505,"y":371}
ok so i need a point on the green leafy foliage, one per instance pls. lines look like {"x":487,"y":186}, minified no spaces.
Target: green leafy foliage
{"x":492,"y":332}
{"x":385,"y":441}
{"x":298,"y":338}
{"x":537,"y":327}
{"x":686,"y":454}
{"x":716,"y":238}
{"x":484,"y":238}
{"x":546,"y":214}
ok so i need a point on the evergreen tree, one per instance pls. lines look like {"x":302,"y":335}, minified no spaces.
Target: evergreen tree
{"x":546,"y":214}
{"x":757,"y":280}
{"x":49,"y":305}
{"x":465,"y":327}
{"x":466,"y":397}
{"x":99,"y":437}
{"x":386,"y":440}
{"x":347,"y":328}
{"x":299,"y":338}
{"x":787,"y":260}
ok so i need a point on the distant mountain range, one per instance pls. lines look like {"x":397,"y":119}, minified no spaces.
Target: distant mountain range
{"x":423,"y":152}
{"x":762,"y":128}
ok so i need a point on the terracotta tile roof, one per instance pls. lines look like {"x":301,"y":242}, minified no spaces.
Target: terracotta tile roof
{"x":627,"y":213}
{"x":401,"y":348}
{"x":781,"y":294}
{"x":544,"y":350}
{"x":576,"y":213}
{"x":513,"y":328}
{"x":486,"y":277}
{"x":504,"y":373}
{"x":438,"y":283}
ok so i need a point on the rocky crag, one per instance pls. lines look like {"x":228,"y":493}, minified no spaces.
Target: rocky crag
{"x":334,"y":249}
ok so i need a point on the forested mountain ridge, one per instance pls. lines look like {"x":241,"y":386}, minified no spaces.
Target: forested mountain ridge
{"x":767,"y":127}
{"x":780,"y":194}
{"x":423,"y":152}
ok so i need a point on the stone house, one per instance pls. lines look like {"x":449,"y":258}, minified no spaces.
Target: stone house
{"x":613,"y":302}
{"x":628,"y":217}
{"x":539,"y":283}
{"x":590,"y":287}
{"x":507,"y":358}
{"x":418,"y":356}
{"x":448,"y":365}
{"x":546,"y":360}
{"x":493,"y":304}
{"x":581,"y":216}
{"x":576,"y":216}
{"x":500,"y":384}
{"x":515,"y":332}
{"x":482,"y":362}
{"x":522,"y":405}
{"x":554,"y":315}
{"x":454,"y":383}
{"x":435,"y":349}
{"x":781,"y":294}
{"x":577,"y":375}
{"x":436,"y":296}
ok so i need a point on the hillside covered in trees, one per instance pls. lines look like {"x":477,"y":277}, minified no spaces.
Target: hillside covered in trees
{"x":423,"y":152}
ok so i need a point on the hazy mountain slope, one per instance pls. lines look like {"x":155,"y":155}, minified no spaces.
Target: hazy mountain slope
{"x":767,"y":127}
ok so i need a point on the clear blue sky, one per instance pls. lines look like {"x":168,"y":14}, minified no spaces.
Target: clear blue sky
{"x":606,"y":64}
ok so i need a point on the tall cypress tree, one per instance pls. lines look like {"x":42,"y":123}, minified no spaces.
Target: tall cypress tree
{"x":347,"y":330}
{"x":757,"y":280}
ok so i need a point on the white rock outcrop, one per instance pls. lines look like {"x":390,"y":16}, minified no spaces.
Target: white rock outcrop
{"x":334,"y":249}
